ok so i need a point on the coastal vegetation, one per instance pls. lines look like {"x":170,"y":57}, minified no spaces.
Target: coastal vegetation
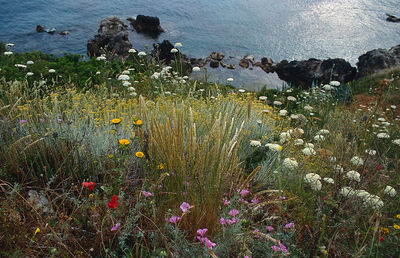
{"x":131,"y":158}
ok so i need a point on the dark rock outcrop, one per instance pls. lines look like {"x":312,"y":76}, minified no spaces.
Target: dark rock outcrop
{"x":392,"y":18}
{"x":378,"y":59}
{"x":147,"y":24}
{"x":214,"y":63}
{"x":163,"y":51}
{"x":39,"y":28}
{"x":244,"y":63}
{"x":304,"y":73}
{"x":65,"y":32}
{"x":112,"y":35}
{"x":217,"y":56}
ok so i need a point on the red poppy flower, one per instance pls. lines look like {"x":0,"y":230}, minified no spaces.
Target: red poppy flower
{"x":343,"y":229}
{"x":381,"y":239}
{"x":89,"y":185}
{"x":379,"y":167}
{"x":113,"y":204}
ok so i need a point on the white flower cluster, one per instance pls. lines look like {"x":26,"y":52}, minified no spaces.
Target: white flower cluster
{"x":353,"y":175}
{"x":255,"y":143}
{"x":290,"y":164}
{"x":390,"y":191}
{"x":357,"y":161}
{"x":309,"y":151}
{"x":284,"y":137}
{"x":369,"y":200}
{"x":314,"y":180}
{"x":274,"y":147}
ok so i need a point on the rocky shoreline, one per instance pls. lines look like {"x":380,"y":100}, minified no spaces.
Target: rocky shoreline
{"x":113,"y":36}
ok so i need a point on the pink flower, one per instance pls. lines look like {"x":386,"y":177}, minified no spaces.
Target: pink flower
{"x":226,"y":202}
{"x":255,"y":200}
{"x":173,"y":219}
{"x":222,"y":221}
{"x":275,"y":248}
{"x":289,"y":225}
{"x":283,"y":248}
{"x":231,"y":221}
{"x":147,"y":194}
{"x":116,"y":227}
{"x":202,"y":232}
{"x":233,"y":213}
{"x":244,"y":192}
{"x":243,"y":201}
{"x":22,"y":121}
{"x":206,"y":242}
{"x":185,"y":207}
{"x":270,"y":228}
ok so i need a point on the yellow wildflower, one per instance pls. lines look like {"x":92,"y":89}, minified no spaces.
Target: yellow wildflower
{"x":385,"y":230}
{"x":398,"y":216}
{"x":160,"y":166}
{"x":91,"y":196}
{"x":396,"y":226}
{"x":37,"y":231}
{"x":138,"y":122}
{"x":111,"y":156}
{"x":116,"y":121}
{"x":124,"y":142}
{"x":139,"y":154}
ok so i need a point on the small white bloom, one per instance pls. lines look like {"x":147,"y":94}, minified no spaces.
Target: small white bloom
{"x":141,"y":53}
{"x":329,"y":180}
{"x":20,"y":66}
{"x":8,"y":53}
{"x":174,"y":50}
{"x":29,"y":73}
{"x":309,"y":151}
{"x":347,"y":191}
{"x":383,"y":136}
{"x":332,"y":159}
{"x":274,"y":147}
{"x":126,"y":84}
{"x":263,"y":98}
{"x":266,"y":111}
{"x":284,"y":137}
{"x":314,"y":181}
{"x":338,"y":168}
{"x":327,"y":87}
{"x":277,"y":103}
{"x":357,"y":161}
{"x":397,"y":142}
{"x":290,"y":164}
{"x":10,"y":44}
{"x":196,"y":69}
{"x":131,"y":89}
{"x":308,"y":108}
{"x":178,"y":44}
{"x":323,"y":131}
{"x":283,"y":112}
{"x":229,"y":80}
{"x":29,"y":62}
{"x":370,"y":152}
{"x":255,"y":143}
{"x":126,"y":72}
{"x":335,"y":83}
{"x":294,"y":116}
{"x":373,"y":201}
{"x":242,"y":90}
{"x":123,"y":77}
{"x":52,"y":71}
{"x":97,"y":73}
{"x":156,"y":75}
{"x":259,"y":121}
{"x":393,"y":107}
{"x":309,"y":145}
{"x":167,"y":93}
{"x":381,"y":119}
{"x":390,"y":191}
{"x":319,"y":138}
{"x":133,"y":94}
{"x":353,"y":175}
{"x":101,"y":58}
{"x":132,"y":51}
{"x":298,"y":142}
{"x":375,"y":125}
{"x":291,"y":98}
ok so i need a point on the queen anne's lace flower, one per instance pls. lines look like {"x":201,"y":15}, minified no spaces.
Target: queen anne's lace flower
{"x":353,"y":175}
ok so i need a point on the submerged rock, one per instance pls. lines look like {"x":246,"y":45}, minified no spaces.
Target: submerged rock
{"x":378,"y":59}
{"x":113,"y":35}
{"x":65,"y":32}
{"x":304,"y":73}
{"x":217,"y":56}
{"x":392,"y":18}
{"x":147,"y":24}
{"x":40,"y":28}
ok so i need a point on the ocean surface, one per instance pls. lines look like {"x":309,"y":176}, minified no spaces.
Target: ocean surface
{"x":279,"y":29}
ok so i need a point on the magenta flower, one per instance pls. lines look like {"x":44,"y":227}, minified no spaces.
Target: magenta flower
{"x":206,"y":242}
{"x":116,"y":227}
{"x":243,"y":201}
{"x":289,"y":225}
{"x":233,"y":213}
{"x":184,"y":207}
{"x":275,"y":248}
{"x":226,"y":202}
{"x":59,"y":120}
{"x":255,"y":200}
{"x":41,"y":120}
{"x":22,"y":121}
{"x":244,"y":192}
{"x":231,"y":221}
{"x":202,"y":232}
{"x":283,"y":248}
{"x":173,"y":219}
{"x":147,"y":194}
{"x":222,"y":221}
{"x":270,"y":228}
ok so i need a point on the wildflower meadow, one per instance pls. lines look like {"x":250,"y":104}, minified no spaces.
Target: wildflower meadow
{"x":133,"y":158}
